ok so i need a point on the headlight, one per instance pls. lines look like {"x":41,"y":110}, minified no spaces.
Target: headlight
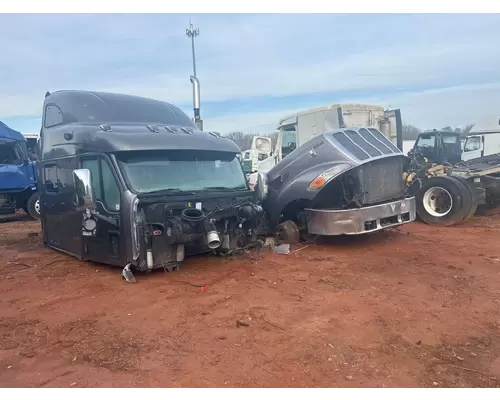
{"x":321,"y":180}
{"x":89,"y":224}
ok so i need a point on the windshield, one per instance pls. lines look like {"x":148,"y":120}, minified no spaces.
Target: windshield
{"x":151,"y":171}
{"x":10,"y":153}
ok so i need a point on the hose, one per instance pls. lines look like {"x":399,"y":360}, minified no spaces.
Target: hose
{"x":193,"y":215}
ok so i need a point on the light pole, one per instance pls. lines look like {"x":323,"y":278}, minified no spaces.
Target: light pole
{"x":192,"y":33}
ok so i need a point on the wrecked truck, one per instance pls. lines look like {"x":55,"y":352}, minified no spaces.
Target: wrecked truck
{"x":18,"y":180}
{"x":347,"y":181}
{"x":450,"y":184}
{"x":131,"y":182}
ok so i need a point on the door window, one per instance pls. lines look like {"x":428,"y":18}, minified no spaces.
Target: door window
{"x":106,"y":189}
{"x":289,"y":143}
{"x":10,"y":154}
{"x":51,"y":178}
{"x":472,"y":144}
{"x":111,"y":190}
{"x":426,"y":146}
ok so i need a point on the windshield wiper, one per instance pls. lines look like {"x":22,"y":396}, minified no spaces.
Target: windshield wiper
{"x":224,"y":188}
{"x":171,"y":191}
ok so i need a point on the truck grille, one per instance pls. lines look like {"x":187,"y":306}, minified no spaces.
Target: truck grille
{"x":382,"y":180}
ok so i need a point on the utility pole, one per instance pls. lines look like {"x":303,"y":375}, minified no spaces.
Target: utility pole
{"x":192,"y":33}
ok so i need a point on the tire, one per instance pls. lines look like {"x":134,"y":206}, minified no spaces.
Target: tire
{"x":443,"y":201}
{"x":471,"y":190}
{"x":33,"y":206}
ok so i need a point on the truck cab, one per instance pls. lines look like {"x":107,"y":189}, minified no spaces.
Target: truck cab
{"x":483,"y":140}
{"x":17,"y":174}
{"x":347,"y":181}
{"x":449,"y":148}
{"x":259,"y":151}
{"x":132,"y":182}
{"x":437,"y":147}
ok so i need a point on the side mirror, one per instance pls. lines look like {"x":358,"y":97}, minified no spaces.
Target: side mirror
{"x":411,"y":153}
{"x":261,"y":187}
{"x":83,"y":187}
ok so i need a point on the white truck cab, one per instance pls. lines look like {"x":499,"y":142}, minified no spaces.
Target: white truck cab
{"x":483,"y":140}
{"x":259,"y":151}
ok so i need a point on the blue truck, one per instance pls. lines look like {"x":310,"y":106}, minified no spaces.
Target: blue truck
{"x":18,"y":175}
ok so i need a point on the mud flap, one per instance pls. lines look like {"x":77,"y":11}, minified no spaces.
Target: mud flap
{"x":128,"y":275}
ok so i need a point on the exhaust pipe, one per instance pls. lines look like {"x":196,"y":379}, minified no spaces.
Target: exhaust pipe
{"x":213,"y":240}
{"x":149,"y":259}
{"x":196,"y":102}
{"x":149,"y":251}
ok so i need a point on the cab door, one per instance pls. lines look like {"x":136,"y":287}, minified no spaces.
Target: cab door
{"x":59,"y":216}
{"x":473,"y":147}
{"x":105,"y":245}
{"x":392,"y":127}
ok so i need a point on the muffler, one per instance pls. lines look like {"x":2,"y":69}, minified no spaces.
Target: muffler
{"x":149,"y":259}
{"x":213,"y":240}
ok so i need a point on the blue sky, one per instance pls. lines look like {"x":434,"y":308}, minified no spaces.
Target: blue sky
{"x":253,"y":69}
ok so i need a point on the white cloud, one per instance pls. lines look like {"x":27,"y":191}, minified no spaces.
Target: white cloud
{"x":245,"y":56}
{"x":458,"y":106}
{"x":430,"y":109}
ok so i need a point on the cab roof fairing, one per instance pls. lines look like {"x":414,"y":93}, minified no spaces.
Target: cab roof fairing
{"x":7,"y":132}
{"x":79,"y":106}
{"x":111,"y":122}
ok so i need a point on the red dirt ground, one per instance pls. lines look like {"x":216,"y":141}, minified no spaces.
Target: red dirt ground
{"x":417,"y":306}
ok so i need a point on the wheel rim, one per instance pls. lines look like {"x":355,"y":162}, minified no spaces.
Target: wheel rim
{"x":437,"y":201}
{"x":288,"y":232}
{"x":37,"y":206}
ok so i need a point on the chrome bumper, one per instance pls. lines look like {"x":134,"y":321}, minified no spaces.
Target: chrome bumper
{"x":360,"y":220}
